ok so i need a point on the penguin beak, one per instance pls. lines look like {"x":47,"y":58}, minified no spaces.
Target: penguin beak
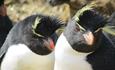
{"x":49,"y":44}
{"x":89,"y":38}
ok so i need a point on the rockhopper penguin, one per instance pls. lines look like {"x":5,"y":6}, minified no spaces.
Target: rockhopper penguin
{"x":83,"y":46}
{"x":30,"y":43}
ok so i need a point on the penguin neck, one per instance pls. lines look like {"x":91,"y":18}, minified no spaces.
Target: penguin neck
{"x":65,"y":55}
{"x":24,"y":49}
{"x":66,"y":48}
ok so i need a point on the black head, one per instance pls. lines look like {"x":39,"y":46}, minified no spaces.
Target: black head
{"x":83,"y":35}
{"x":92,"y":20}
{"x":37,"y":32}
{"x":47,"y":25}
{"x":57,"y":2}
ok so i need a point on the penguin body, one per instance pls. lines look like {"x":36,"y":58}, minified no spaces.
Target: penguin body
{"x":103,"y":57}
{"x":68,"y":59}
{"x":84,"y":47}
{"x":29,"y":44}
{"x":24,"y":59}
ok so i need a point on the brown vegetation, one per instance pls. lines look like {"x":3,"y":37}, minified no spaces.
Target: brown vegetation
{"x":19,"y":9}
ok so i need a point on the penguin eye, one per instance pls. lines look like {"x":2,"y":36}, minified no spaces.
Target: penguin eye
{"x":80,"y":29}
{"x":77,"y":29}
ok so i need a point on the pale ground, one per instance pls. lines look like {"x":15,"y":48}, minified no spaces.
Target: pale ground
{"x":23,"y":8}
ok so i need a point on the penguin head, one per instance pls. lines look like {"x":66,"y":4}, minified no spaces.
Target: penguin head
{"x":43,"y":29}
{"x":37,"y":32}
{"x":45,"y":26}
{"x":91,"y":20}
{"x":84,"y":35}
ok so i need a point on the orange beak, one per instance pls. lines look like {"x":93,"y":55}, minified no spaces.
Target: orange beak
{"x":89,"y":38}
{"x":49,"y":44}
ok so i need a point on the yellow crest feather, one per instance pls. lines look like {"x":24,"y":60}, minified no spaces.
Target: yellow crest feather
{"x":85,"y":8}
{"x":109,"y":29}
{"x":80,"y":12}
{"x":37,"y":21}
{"x":34,"y":26}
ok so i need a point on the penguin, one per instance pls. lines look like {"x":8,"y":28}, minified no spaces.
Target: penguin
{"x":30,"y":43}
{"x":5,"y":23}
{"x":83,"y":46}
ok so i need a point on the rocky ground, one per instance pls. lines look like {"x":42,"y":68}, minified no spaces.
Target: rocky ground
{"x":19,"y":9}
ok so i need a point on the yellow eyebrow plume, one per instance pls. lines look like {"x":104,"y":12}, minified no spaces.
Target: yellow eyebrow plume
{"x":85,"y":8}
{"x":34,"y":26}
{"x":109,"y":29}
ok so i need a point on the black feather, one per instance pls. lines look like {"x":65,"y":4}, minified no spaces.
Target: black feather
{"x":22,"y":33}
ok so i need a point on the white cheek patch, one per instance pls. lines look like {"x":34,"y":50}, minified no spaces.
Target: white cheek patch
{"x":20,"y":57}
{"x":68,"y":59}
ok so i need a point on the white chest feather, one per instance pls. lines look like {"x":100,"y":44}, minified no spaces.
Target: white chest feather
{"x":68,"y":59}
{"x":20,"y":57}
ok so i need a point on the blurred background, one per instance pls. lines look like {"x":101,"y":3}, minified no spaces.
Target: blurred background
{"x":19,"y":9}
